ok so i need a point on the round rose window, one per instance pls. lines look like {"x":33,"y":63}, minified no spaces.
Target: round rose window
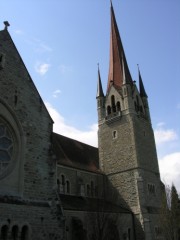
{"x":6,"y":147}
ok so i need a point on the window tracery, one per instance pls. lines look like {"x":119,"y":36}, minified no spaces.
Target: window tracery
{"x":6,"y":147}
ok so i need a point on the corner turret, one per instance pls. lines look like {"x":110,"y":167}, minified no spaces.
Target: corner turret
{"x":144,"y":96}
{"x":100,"y":98}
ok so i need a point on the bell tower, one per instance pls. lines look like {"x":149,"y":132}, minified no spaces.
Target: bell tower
{"x":127,"y":150}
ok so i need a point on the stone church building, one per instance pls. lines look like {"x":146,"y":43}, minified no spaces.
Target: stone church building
{"x":54,"y":187}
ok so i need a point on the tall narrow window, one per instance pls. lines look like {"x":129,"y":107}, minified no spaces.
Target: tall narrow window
{"x":62,"y":185}
{"x":25,"y":233}
{"x":113,"y":103}
{"x":62,"y":179}
{"x":114,"y":134}
{"x":4,"y":232}
{"x":108,"y":110}
{"x":118,"y":106}
{"x":67,"y":187}
{"x":14,"y":233}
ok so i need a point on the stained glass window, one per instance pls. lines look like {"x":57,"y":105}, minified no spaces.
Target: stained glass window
{"x":6,"y":147}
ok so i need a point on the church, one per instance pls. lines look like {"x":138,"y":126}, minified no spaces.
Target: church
{"x":54,"y":187}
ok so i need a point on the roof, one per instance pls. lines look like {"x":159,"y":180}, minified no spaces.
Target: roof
{"x":14,"y":63}
{"x":72,"y":153}
{"x":116,"y":55}
{"x":79,"y":203}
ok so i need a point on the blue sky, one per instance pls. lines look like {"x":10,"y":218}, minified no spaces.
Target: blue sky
{"x":61,"y":42}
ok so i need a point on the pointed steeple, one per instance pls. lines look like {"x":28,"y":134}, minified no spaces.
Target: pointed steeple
{"x":141,"y":86}
{"x":99,"y":86}
{"x":116,"y":52}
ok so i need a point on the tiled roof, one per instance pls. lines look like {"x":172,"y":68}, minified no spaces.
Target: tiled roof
{"x":70,"y":152}
{"x":116,"y":55}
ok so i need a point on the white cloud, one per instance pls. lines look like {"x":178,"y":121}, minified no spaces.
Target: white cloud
{"x":42,"y":68}
{"x":61,"y":127}
{"x":170,"y":169}
{"x":163,"y":135}
{"x":56,"y":93}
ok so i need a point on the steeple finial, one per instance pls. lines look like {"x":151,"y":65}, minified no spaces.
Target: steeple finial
{"x":141,"y":85}
{"x":116,"y":52}
{"x":6,"y":23}
{"x":99,"y":86}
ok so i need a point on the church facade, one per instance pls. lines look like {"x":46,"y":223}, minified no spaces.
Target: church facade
{"x":54,"y":187}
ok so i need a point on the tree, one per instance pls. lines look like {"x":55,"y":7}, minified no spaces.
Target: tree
{"x":104,"y":226}
{"x":170,"y":213}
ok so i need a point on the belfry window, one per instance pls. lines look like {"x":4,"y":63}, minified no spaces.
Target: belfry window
{"x":113,"y":103}
{"x":118,"y":106}
{"x":108,"y":110}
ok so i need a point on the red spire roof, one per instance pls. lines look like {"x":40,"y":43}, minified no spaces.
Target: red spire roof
{"x":116,"y":52}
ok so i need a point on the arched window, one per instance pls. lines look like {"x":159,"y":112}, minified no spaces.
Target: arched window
{"x":67,"y":187}
{"x":113,"y":103}
{"x":118,"y":106}
{"x":62,"y":180}
{"x":62,"y":184}
{"x":14,"y":232}
{"x":4,"y":232}
{"x":25,"y":233}
{"x":108,"y":110}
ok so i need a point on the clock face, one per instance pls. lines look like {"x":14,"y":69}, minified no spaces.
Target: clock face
{"x":6,"y":147}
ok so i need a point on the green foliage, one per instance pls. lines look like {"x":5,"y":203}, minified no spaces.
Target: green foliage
{"x":170,"y":213}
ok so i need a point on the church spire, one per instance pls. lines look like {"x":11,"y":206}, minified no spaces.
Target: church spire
{"x":141,"y":86}
{"x":116,"y":52}
{"x":99,"y":86}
